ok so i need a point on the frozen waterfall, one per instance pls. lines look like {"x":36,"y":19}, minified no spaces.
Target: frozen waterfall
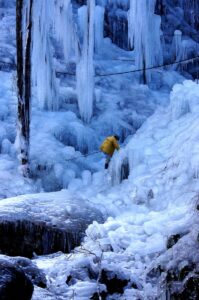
{"x":144,"y":34}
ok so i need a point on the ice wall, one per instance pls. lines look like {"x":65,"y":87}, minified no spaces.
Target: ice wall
{"x":85,"y":65}
{"x":144,"y":34}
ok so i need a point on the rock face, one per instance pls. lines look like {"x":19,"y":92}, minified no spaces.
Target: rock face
{"x":14,"y":285}
{"x":26,"y":227}
{"x":24,"y":238}
{"x":177,"y":271}
{"x":36,"y":276}
{"x":189,"y":284}
{"x":172,"y":240}
{"x":178,"y":15}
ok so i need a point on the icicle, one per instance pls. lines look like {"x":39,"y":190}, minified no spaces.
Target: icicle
{"x":99,"y":28}
{"x":85,"y":66}
{"x":42,"y":59}
{"x":177,"y":44}
{"x":144,"y":34}
{"x":176,"y":48}
{"x":64,"y":29}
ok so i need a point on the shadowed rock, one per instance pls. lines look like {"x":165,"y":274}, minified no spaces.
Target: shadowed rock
{"x":30,"y":269}
{"x":14,"y":285}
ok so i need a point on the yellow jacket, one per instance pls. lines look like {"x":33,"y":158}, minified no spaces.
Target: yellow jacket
{"x":109,"y":145}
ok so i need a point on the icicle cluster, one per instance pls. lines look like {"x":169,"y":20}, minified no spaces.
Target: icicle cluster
{"x":42,"y":59}
{"x":144,"y":34}
{"x":64,"y":28}
{"x":85,"y":66}
{"x":51,"y":19}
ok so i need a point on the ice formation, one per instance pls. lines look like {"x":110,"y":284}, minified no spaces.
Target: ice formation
{"x":55,"y":20}
{"x":43,"y":72}
{"x":177,"y":44}
{"x":99,"y":28}
{"x":145,"y":41}
{"x":64,"y":26}
{"x":85,"y":66}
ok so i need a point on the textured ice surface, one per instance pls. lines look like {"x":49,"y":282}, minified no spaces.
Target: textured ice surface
{"x":61,"y":209}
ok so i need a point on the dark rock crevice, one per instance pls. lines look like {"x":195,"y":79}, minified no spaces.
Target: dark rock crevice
{"x":113,"y":283}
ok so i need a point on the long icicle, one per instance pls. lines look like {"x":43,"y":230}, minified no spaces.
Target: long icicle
{"x":85,"y":66}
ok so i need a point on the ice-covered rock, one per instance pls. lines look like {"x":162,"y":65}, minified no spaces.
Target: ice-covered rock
{"x":14,"y":284}
{"x":36,"y":275}
{"x":27,"y":228}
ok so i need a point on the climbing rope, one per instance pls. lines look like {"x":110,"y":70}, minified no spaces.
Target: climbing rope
{"x":4,"y":64}
{"x":150,"y":68}
{"x":136,"y":70}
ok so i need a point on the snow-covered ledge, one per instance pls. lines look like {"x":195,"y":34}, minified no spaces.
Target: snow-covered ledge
{"x":44,"y":223}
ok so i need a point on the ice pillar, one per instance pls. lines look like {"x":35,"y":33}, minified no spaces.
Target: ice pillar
{"x":43,"y":71}
{"x":85,"y":65}
{"x":99,"y":28}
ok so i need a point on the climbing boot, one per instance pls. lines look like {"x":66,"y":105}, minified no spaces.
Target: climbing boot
{"x":106,"y":165}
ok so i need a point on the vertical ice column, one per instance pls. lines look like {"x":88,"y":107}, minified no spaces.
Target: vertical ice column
{"x":180,"y":50}
{"x":144,"y":34}
{"x":99,"y":28}
{"x":177,"y":45}
{"x":85,"y":66}
{"x":64,"y":27}
{"x":43,"y":71}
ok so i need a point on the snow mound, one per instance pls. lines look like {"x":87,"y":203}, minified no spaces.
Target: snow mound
{"x":62,"y":209}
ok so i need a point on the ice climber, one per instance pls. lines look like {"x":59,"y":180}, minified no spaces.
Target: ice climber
{"x":108,"y":147}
